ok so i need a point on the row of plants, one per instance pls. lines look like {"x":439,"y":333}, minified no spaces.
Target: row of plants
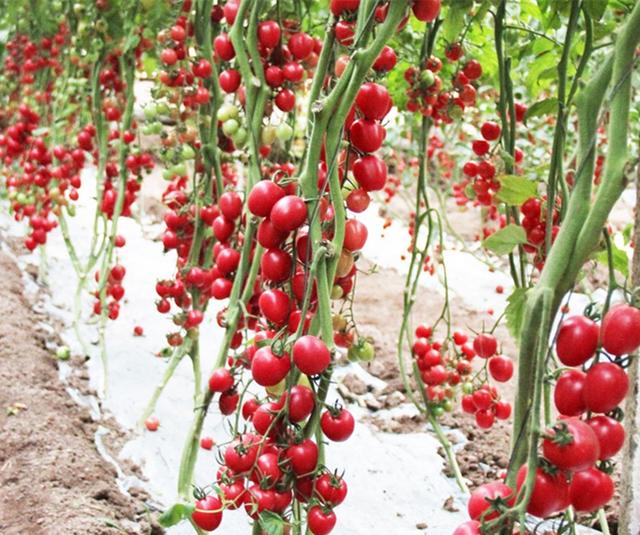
{"x":274,"y":124}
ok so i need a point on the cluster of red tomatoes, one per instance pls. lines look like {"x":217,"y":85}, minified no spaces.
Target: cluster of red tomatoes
{"x":263,"y":470}
{"x":483,"y":400}
{"x":535,"y":224}
{"x":25,"y":57}
{"x":575,"y":467}
{"x":426,"y":93}
{"x":443,"y":367}
{"x":114,"y":291}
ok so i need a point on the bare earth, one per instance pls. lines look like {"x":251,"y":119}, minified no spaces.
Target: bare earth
{"x":52,"y":478}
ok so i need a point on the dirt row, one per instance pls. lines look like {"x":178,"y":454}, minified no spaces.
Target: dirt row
{"x":52,"y":478}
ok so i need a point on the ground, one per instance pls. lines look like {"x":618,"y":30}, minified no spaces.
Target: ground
{"x":52,"y":478}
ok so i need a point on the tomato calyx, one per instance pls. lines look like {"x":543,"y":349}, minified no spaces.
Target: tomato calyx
{"x":559,"y":434}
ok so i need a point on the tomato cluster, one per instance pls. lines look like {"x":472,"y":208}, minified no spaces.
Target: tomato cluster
{"x":445,"y":366}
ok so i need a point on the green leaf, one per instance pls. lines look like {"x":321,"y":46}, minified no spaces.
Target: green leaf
{"x":504,"y":240}
{"x":271,"y":523}
{"x":619,"y":257}
{"x":176,"y":514}
{"x":454,"y":21}
{"x":514,"y":190}
{"x":595,"y":8}
{"x":514,"y":313}
{"x":542,"y":107}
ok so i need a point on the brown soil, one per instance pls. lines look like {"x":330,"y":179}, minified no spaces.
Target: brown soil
{"x":52,"y":478}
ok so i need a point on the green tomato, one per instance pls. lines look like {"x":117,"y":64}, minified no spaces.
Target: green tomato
{"x":352,"y":354}
{"x":268,"y":135}
{"x":227,"y":111}
{"x":163,"y":108}
{"x":179,"y":169}
{"x":467,"y":388}
{"x":230,"y":127}
{"x":284,"y":132}
{"x":427,"y":77}
{"x":447,"y":405}
{"x":336,"y":292}
{"x":63,"y":353}
{"x":21,"y":198}
{"x":437,"y":411}
{"x":240,"y":137}
{"x":150,"y":112}
{"x":188,"y":153}
{"x":365,"y":351}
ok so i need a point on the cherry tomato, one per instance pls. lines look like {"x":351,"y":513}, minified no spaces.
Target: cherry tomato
{"x":572,"y":445}
{"x":590,"y":489}
{"x":605,"y":386}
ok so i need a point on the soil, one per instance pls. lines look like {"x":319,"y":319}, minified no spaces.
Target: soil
{"x":52,"y":478}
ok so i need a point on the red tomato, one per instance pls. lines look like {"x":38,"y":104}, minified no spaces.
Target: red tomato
{"x":426,"y":10}
{"x":221,"y":380}
{"x":490,"y":130}
{"x":288,"y":213}
{"x":208,"y":513}
{"x":263,"y":196}
{"x":275,"y":306}
{"x":610,"y":435}
{"x":311,"y":355}
{"x":355,"y":235}
{"x":568,"y":393}
{"x":471,"y":527}
{"x":301,"y":45}
{"x":268,"y":369}
{"x":301,"y":403}
{"x":332,"y":489}
{"x":574,"y":445}
{"x":481,"y":497}
{"x":366,"y":135}
{"x":337,"y":427}
{"x":303,"y":457}
{"x":275,"y":265}
{"x":370,"y":172}
{"x":501,"y":368}
{"x":373,"y":101}
{"x":550,"y":492}
{"x":269,"y":33}
{"x":229,"y":80}
{"x":590,"y":490}
{"x":485,"y":345}
{"x":621,"y":330}
{"x":320,"y":521}
{"x":577,"y":340}
{"x":605,"y":386}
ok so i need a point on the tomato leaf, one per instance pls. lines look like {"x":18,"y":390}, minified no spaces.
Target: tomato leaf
{"x":176,"y":514}
{"x":454,"y":21}
{"x":504,"y":240}
{"x":619,"y":257}
{"x":595,"y":8}
{"x":542,"y":107}
{"x":514,"y":190}
{"x":514,"y":313}
{"x":271,"y":523}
